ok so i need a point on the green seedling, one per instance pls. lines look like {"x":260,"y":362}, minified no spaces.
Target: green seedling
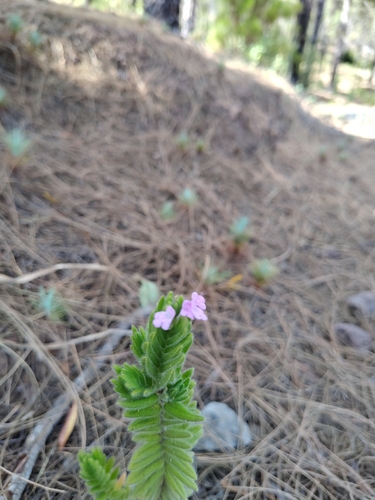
{"x":263,"y":271}
{"x":3,"y":97}
{"x":15,"y":24}
{"x":239,"y":231}
{"x":188,"y":197}
{"x":157,"y":395}
{"x":221,"y":67}
{"x":213,"y":275}
{"x":323,"y":153}
{"x":167,"y":210}
{"x":51,"y":304}
{"x":182,"y":141}
{"x":200,"y":145}
{"x":343,"y":156}
{"x":148,"y":293}
{"x":17,"y":143}
{"x":35,"y":40}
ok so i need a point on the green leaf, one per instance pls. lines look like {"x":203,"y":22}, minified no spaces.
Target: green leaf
{"x":148,"y":293}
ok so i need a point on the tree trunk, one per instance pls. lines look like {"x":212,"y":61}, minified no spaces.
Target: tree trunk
{"x":341,"y":32}
{"x":372,"y":74}
{"x":318,"y":22}
{"x":312,"y":48}
{"x":188,"y":17}
{"x":302,"y":25}
{"x":167,"y":11}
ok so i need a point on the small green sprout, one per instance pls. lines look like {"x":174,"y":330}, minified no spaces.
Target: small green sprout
{"x":239,"y":231}
{"x":213,"y":276}
{"x":3,"y":97}
{"x":167,"y":210}
{"x":35,"y":39}
{"x":17,"y":143}
{"x":323,"y":153}
{"x":343,"y":156}
{"x":15,"y":24}
{"x":182,"y":140}
{"x":263,"y":271}
{"x":51,"y":304}
{"x":341,"y":144}
{"x":188,"y":197}
{"x":200,"y":145}
{"x":221,"y":67}
{"x":148,"y":293}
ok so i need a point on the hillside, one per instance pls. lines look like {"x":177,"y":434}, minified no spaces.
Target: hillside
{"x":123,"y":117}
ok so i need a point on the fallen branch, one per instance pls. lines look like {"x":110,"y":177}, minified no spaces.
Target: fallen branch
{"x":26,"y":278}
{"x":36,"y":440}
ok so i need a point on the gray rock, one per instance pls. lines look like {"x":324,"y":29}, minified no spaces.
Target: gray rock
{"x":352,"y":335}
{"x":363,"y":303}
{"x":222,"y":429}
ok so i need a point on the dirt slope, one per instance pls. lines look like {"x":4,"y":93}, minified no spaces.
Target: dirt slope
{"x":105,"y":102}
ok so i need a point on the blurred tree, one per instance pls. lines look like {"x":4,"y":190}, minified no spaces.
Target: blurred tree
{"x":313,"y":43}
{"x":167,"y":11}
{"x":303,"y":20}
{"x":244,"y":25}
{"x":341,"y":32}
{"x":188,"y":17}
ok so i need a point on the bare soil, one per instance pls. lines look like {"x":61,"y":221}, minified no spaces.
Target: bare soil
{"x":104,"y":102}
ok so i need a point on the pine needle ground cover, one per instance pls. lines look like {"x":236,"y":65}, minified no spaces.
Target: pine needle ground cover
{"x":104,"y":102}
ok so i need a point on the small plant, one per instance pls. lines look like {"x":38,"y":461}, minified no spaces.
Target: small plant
{"x":213,"y":275}
{"x":15,"y":24}
{"x":239,"y":231}
{"x":167,"y":210}
{"x":3,"y":97}
{"x":221,"y":67}
{"x":343,"y":156}
{"x":200,"y":145}
{"x":51,"y":304}
{"x":188,"y":197}
{"x":157,"y":396}
{"x":183,"y":140}
{"x":263,"y":271}
{"x":35,"y":40}
{"x":17,"y":143}
{"x":323,"y":153}
{"x":148,"y":293}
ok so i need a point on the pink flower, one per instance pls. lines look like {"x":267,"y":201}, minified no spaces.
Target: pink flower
{"x":194,"y":308}
{"x":163,"y":319}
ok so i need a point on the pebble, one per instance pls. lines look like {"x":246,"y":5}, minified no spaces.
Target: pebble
{"x":222,"y":429}
{"x":363,"y":303}
{"x":352,"y":335}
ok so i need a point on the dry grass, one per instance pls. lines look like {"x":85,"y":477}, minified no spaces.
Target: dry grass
{"x":104,"y":103}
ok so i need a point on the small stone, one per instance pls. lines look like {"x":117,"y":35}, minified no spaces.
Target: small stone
{"x":352,"y":335}
{"x":363,"y":303}
{"x":222,"y":429}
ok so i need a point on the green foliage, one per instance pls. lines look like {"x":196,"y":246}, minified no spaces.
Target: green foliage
{"x":165,"y":423}
{"x":3,"y":97}
{"x":51,"y":304}
{"x":14,"y":23}
{"x":167,"y":210}
{"x":35,"y":39}
{"x":213,"y":275}
{"x":243,"y":24}
{"x":200,"y":145}
{"x":188,"y":197}
{"x":239,"y":230}
{"x":16,"y":142}
{"x":101,"y":476}
{"x":263,"y":271}
{"x":182,"y":140}
{"x":148,"y":293}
